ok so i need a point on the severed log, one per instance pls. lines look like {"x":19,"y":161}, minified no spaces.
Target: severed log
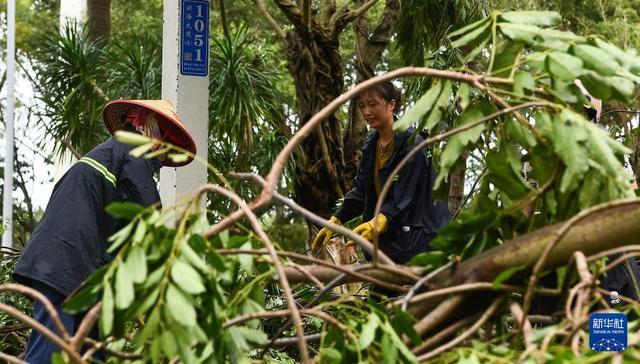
{"x":604,"y":227}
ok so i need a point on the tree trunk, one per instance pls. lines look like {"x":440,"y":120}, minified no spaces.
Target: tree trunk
{"x":99,"y":19}
{"x":316,"y":65}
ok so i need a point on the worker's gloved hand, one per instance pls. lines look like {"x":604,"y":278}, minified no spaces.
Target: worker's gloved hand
{"x":366,"y":229}
{"x":324,"y":235}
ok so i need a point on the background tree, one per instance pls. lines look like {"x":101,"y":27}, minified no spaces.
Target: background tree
{"x":203,"y":299}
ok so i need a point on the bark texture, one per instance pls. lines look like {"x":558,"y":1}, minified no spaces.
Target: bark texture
{"x":99,"y":19}
{"x":317,"y":67}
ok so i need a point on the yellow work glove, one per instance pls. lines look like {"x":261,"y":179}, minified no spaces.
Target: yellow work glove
{"x":366,"y":229}
{"x":324,"y":235}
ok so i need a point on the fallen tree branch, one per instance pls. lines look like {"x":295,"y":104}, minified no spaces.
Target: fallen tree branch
{"x":290,"y":341}
{"x":485,"y":316}
{"x":443,"y":334}
{"x":55,"y":339}
{"x":280,"y":313}
{"x":348,"y":233}
{"x":12,"y":359}
{"x":12,"y":328}
{"x":325,"y":271}
{"x":439,"y":314}
{"x":282,"y":278}
{"x":605,"y":226}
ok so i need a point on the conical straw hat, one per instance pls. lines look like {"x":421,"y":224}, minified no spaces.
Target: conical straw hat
{"x":171,"y":127}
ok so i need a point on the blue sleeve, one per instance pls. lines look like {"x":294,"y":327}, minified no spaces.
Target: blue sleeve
{"x":136,"y":181}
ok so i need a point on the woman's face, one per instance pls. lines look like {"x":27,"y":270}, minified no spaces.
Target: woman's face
{"x":376,"y":111}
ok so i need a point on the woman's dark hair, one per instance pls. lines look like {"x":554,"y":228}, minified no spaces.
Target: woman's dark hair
{"x":387,"y":91}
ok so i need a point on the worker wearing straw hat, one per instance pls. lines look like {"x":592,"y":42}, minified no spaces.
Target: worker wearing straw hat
{"x":70,"y":242}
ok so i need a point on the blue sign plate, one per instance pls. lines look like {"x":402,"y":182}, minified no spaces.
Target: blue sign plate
{"x":194,"y":38}
{"x":608,"y":331}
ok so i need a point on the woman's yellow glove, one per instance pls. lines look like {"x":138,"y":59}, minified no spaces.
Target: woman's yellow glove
{"x":324,"y":235}
{"x":366,"y":229}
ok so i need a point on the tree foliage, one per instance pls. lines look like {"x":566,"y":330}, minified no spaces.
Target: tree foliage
{"x":211,"y":291}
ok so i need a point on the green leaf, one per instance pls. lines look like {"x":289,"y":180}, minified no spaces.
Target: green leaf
{"x":623,"y":88}
{"x":536,"y":60}
{"x":57,"y":358}
{"x":542,"y":163}
{"x":224,"y":238}
{"x":193,"y":258}
{"x":154,"y":278}
{"x":82,"y":300}
{"x":559,"y":39}
{"x":142,"y":149}
{"x":246,"y":260}
{"x":596,"y":59}
{"x":217,"y":262}
{"x":148,"y":302}
{"x":470,"y":27}
{"x":429,"y":259}
{"x":137,"y":264}
{"x":569,"y":138}
{"x":131,"y":138}
{"x":124,"y":287}
{"x":252,"y":335}
{"x":187,"y":278}
{"x":157,"y":152}
{"x":503,"y":172}
{"x":238,"y":338}
{"x":564,"y":66}
{"x":523,"y":81}
{"x":421,"y":108}
{"x":148,"y":329}
{"x":500,"y":350}
{"x":389,"y":351}
{"x":141,"y":230}
{"x":398,"y":344}
{"x":106,"y":311}
{"x":590,"y":190}
{"x":330,"y":356}
{"x":450,"y":155}
{"x":368,"y":333}
{"x":440,"y":106}
{"x":566,"y":91}
{"x":520,"y":32}
{"x":477,"y":50}
{"x":403,"y":323}
{"x":506,"y":274}
{"x":551,"y":201}
{"x":626,"y":60}
{"x":464,"y":95}
{"x":471,"y":36}
{"x":542,"y":18}
{"x":521,"y":135}
{"x":470,"y":136}
{"x":178,"y":157}
{"x":180,"y":307}
{"x":596,"y":85}
{"x":472,"y":359}
{"x":507,"y":56}
{"x":124,"y":210}
{"x":169,"y":343}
